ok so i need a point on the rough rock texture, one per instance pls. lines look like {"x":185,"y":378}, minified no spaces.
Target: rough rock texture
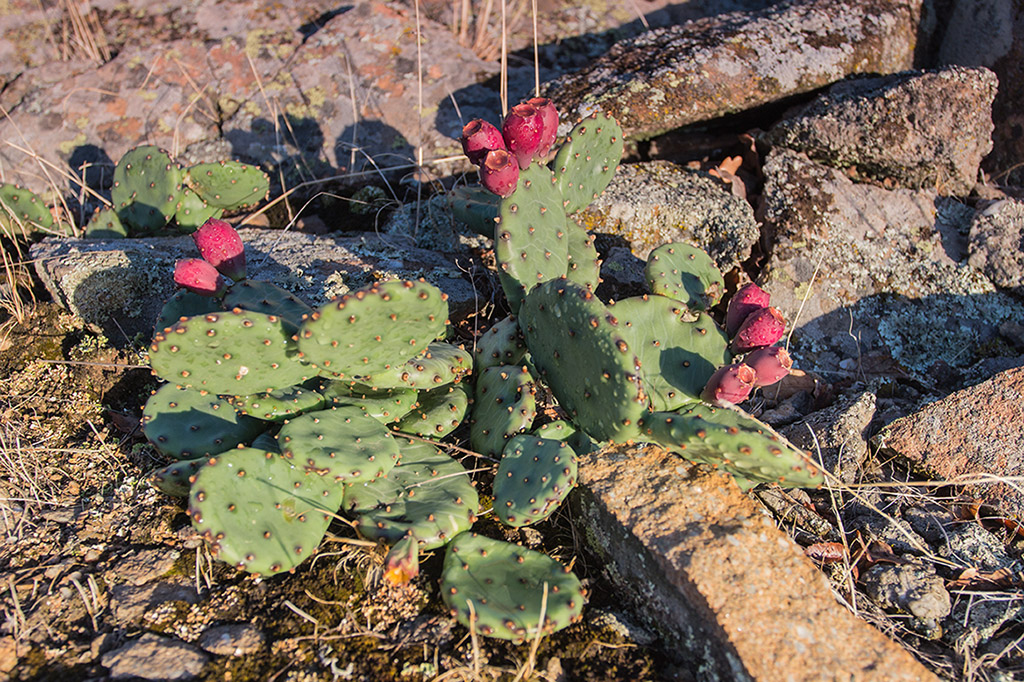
{"x":838,"y":435}
{"x":119,"y":286}
{"x":877,"y":276}
{"x":703,"y":69}
{"x":702,"y":563}
{"x":911,"y":587}
{"x":970,"y":434}
{"x":921,"y":129}
{"x":234,"y":639}
{"x":650,"y":204}
{"x":152,"y":657}
{"x":997,"y":243}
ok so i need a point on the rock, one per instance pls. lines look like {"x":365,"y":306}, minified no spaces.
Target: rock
{"x":667,"y":78}
{"x":144,"y":565}
{"x":712,"y":574}
{"x":130,"y":603}
{"x":838,"y":435}
{"x":968,"y":436}
{"x":975,"y":621}
{"x":922,"y":129}
{"x":911,"y":588}
{"x":931,"y":521}
{"x":119,"y":286}
{"x":650,"y":204}
{"x":235,"y":639}
{"x":997,"y":244}
{"x":873,"y":281}
{"x":971,"y":546}
{"x":152,"y":657}
{"x":878,"y":520}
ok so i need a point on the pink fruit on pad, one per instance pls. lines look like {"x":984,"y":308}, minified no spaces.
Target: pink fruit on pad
{"x":199,"y":277}
{"x":499,"y":173}
{"x":729,"y":385}
{"x":746,"y":300}
{"x":480,"y":137}
{"x":761,"y":328}
{"x":523,"y":129}
{"x":549,"y":122}
{"x":222,"y":248}
{"x":769,"y":364}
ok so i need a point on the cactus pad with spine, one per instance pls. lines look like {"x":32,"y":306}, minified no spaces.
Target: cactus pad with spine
{"x":685,"y":273}
{"x":231,"y":353}
{"x":505,"y":584}
{"x":260,"y":511}
{"x":586,"y":358}
{"x":185,"y":303}
{"x":503,"y":405}
{"x":428,"y":495}
{"x":586,"y":163}
{"x":193,"y":211}
{"x":374,"y":329}
{"x":440,"y":364}
{"x":185,"y":423}
{"x":228,"y":185}
{"x":584,"y":267}
{"x":342,"y":444}
{"x":502,"y":344}
{"x":174,"y":479}
{"x":678,"y":350}
{"x":534,"y":476}
{"x":280,"y":404}
{"x":437,"y":412}
{"x":105,"y":224}
{"x":386,"y":405}
{"x":264,"y":297}
{"x":476,"y":207}
{"x":22,"y":211}
{"x":530,"y":238}
{"x":147,"y":188}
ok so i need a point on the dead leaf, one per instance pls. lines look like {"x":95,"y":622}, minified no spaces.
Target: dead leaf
{"x":1001,"y":579}
{"x":826,"y":552}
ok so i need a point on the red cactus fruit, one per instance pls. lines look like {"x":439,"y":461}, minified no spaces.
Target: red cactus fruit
{"x":746,"y":300}
{"x":729,"y":385}
{"x":761,"y":328}
{"x":222,"y":248}
{"x":499,"y":173}
{"x":549,"y":121}
{"x":403,"y":561}
{"x":769,"y":364}
{"x":199,"y":277}
{"x":523,"y":130}
{"x":480,"y":137}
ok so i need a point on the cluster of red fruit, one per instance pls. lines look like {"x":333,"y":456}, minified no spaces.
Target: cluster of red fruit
{"x":526,"y":135}
{"x":753,"y":326}
{"x":222,"y":254}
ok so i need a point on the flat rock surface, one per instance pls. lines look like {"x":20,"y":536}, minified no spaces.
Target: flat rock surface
{"x":972,"y":434}
{"x":702,"y":559}
{"x":152,"y":657}
{"x":997,"y":243}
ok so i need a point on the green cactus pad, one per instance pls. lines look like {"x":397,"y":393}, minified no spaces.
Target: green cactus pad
{"x":734,"y":442}
{"x":441,"y":364}
{"x":147,"y":189}
{"x":386,"y":405}
{"x":437,"y":412}
{"x":585,"y":357}
{"x":505,"y":584}
{"x":530,"y":238}
{"x":185,"y":423}
{"x":685,"y":273}
{"x":504,"y":405}
{"x":678,"y":350}
{"x":228,"y":185}
{"x":584,"y":262}
{"x":175,"y":478}
{"x":476,"y":207}
{"x":502,"y":344}
{"x":429,"y":496}
{"x":267,"y":441}
{"x":280,"y":404}
{"x":341,"y":444}
{"x":22,"y":211}
{"x":260,"y":511}
{"x":231,"y":353}
{"x":264,"y":297}
{"x":185,"y":304}
{"x":105,"y":224}
{"x":534,"y":476}
{"x":586,"y":163}
{"x":192,"y":211}
{"x":374,"y":329}
{"x":556,"y":430}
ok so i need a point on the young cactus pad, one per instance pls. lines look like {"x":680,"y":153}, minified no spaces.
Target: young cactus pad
{"x":193,"y":211}
{"x":500,"y":590}
{"x":260,"y":511}
{"x":175,"y":478}
{"x":502,"y":344}
{"x":185,"y":423}
{"x":534,"y":476}
{"x":147,"y":188}
{"x":587,"y":161}
{"x":22,"y":211}
{"x":228,"y":185}
{"x":105,"y":224}
{"x":503,"y":406}
{"x":437,"y":412}
{"x":375,"y":328}
{"x":685,"y":273}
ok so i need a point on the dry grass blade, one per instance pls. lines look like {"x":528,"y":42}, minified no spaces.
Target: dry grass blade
{"x":82,"y":34}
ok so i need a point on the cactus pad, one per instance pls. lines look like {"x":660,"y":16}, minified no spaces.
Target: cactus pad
{"x":175,"y":478}
{"x":228,"y":185}
{"x":186,"y":304}
{"x":22,"y":211}
{"x":504,"y":405}
{"x":186,"y":423}
{"x":147,"y":188}
{"x":192,"y":211}
{"x":586,"y":163}
{"x":260,"y":511}
{"x":105,"y":224}
{"x":264,"y":297}
{"x":386,"y":405}
{"x":685,"y":273}
{"x":440,"y":364}
{"x":584,"y":266}
{"x":502,"y":344}
{"x":476,"y":207}
{"x":279,"y":404}
{"x":340,"y":444}
{"x":534,"y":476}
{"x":437,"y":412}
{"x":505,"y":584}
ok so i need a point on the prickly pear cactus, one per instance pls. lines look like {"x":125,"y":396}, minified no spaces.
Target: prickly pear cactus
{"x":502,"y":344}
{"x":175,"y":479}
{"x":685,"y":273}
{"x":386,"y":405}
{"x":147,"y":188}
{"x":506,"y":591}
{"x":105,"y":224}
{"x":228,"y":185}
{"x":264,"y":297}
{"x":22,"y":211}
{"x":193,"y":211}
{"x":534,"y":476}
{"x":437,"y":412}
{"x":586,"y":163}
{"x":280,"y":404}
{"x":504,"y":405}
{"x":438,"y":365}
{"x":476,"y":207}
{"x":182,"y":305}
{"x":186,"y":423}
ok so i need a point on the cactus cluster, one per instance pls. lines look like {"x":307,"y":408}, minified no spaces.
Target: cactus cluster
{"x":22,"y":212}
{"x":151,"y":190}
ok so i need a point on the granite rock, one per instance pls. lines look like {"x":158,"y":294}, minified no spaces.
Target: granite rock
{"x":997,"y":244}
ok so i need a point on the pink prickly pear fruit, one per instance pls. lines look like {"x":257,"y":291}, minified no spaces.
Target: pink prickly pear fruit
{"x":746,"y":300}
{"x":763,"y":327}
{"x":499,"y":173}
{"x":199,"y":277}
{"x":729,"y":385}
{"x":769,"y":364}
{"x":523,"y":130}
{"x":549,"y":124}
{"x":480,"y":137}
{"x":222,"y":248}
{"x":403,"y":561}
